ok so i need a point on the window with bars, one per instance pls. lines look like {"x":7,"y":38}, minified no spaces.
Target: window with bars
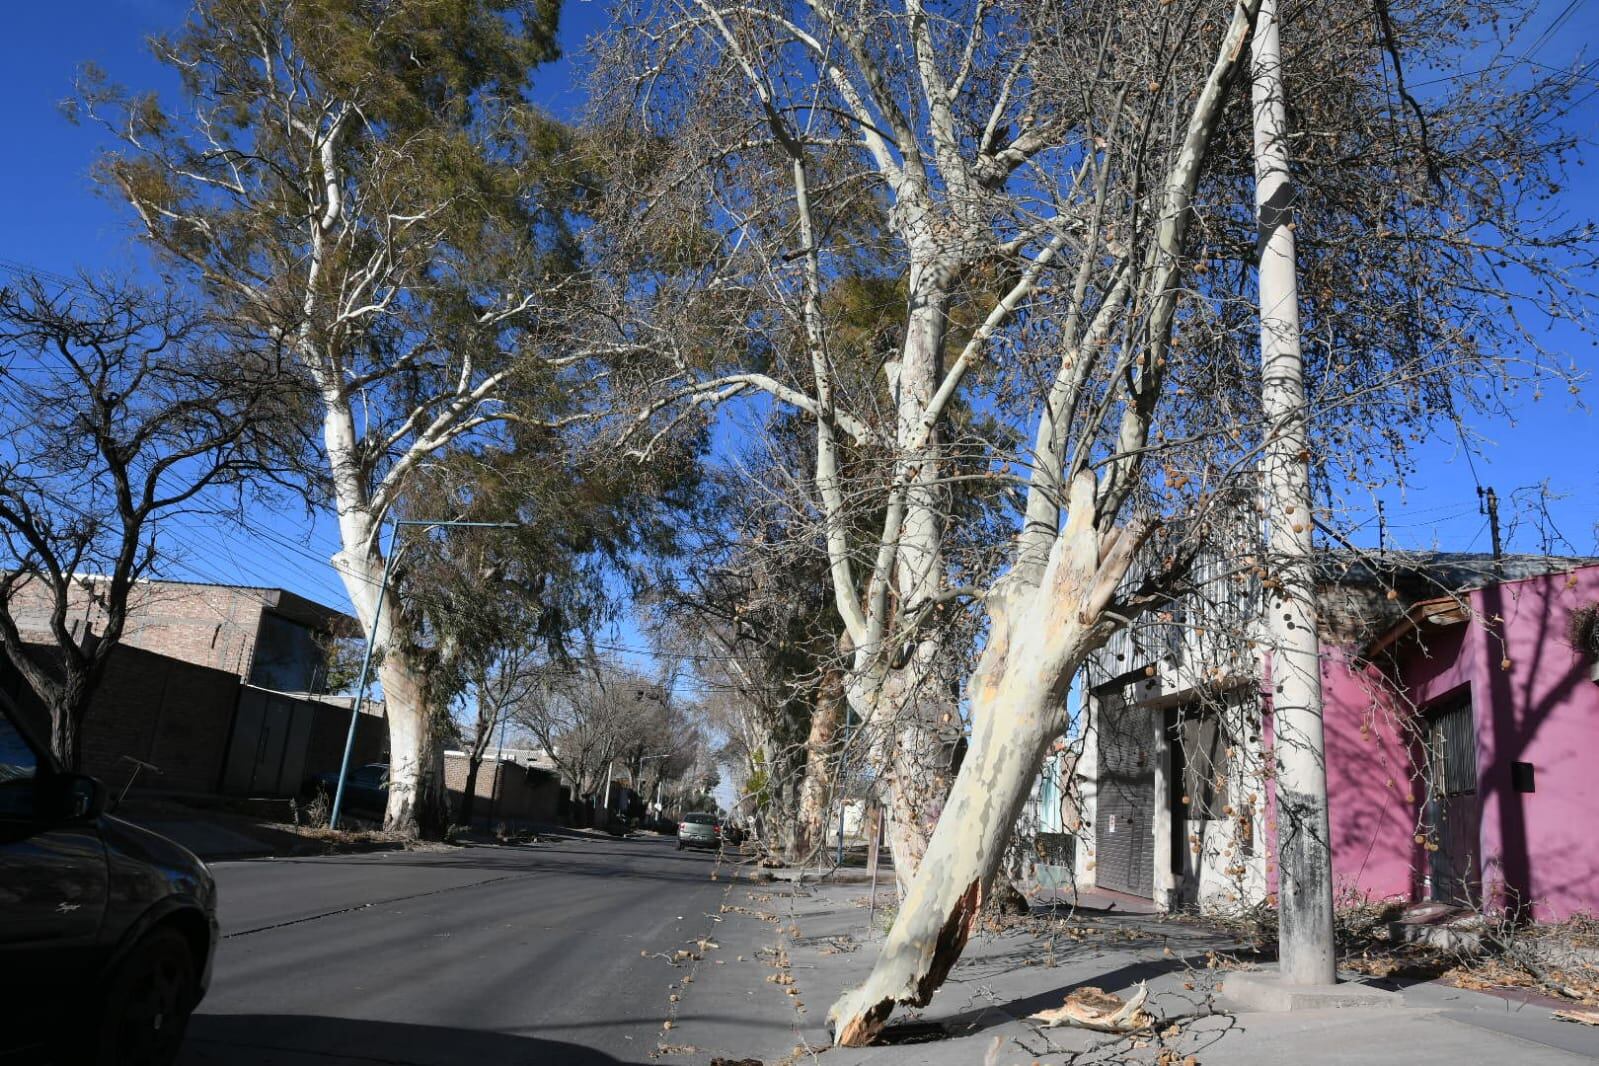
{"x":1452,"y":750}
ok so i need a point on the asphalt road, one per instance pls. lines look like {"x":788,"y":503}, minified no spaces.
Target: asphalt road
{"x":481,"y":956}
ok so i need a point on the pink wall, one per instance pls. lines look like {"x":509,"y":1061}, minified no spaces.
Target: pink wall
{"x":1542,"y":709}
{"x":1372,"y":788}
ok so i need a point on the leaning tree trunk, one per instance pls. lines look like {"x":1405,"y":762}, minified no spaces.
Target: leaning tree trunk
{"x":1039,"y":635}
{"x":1305,"y":912}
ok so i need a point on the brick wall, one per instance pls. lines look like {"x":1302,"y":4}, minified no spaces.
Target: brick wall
{"x":208,"y":625}
{"x":526,"y":794}
{"x":172,"y":714}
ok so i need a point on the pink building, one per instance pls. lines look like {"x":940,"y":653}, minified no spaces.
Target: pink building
{"x":1462,"y":729}
{"x":1460,"y":751}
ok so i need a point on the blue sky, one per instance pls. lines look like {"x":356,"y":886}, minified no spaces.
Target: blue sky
{"x":52,"y":218}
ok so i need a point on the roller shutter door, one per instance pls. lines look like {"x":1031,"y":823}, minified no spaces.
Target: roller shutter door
{"x":1123,"y":830}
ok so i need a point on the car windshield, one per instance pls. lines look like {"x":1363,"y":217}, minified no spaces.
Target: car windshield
{"x":700,"y":819}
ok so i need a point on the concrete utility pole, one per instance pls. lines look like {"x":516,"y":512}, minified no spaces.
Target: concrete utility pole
{"x":1304,"y":858}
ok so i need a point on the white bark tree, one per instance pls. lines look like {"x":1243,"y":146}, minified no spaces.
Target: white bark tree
{"x":363,"y":185}
{"x":1072,"y":250}
{"x":949,"y":213}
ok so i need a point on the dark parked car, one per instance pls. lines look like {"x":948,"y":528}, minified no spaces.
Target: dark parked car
{"x":698,"y":831}
{"x":106,"y":930}
{"x":366,"y":789}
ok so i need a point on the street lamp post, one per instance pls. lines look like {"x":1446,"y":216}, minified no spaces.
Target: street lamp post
{"x":371,"y":642}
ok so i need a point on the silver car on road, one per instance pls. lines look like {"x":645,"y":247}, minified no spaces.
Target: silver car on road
{"x":699,"y":831}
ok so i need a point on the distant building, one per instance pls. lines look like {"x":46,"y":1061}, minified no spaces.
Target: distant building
{"x":222,"y":687}
{"x":516,"y":792}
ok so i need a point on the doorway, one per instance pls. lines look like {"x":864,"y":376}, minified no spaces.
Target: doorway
{"x":1452,"y":816}
{"x":1124,"y":819}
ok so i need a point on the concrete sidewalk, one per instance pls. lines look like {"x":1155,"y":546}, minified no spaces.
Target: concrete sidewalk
{"x":1005,"y":976}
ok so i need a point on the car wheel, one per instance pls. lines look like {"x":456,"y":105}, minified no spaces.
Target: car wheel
{"x":147,"y":1003}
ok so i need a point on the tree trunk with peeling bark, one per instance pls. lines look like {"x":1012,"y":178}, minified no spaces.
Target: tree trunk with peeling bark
{"x":1045,"y":616}
{"x":909,"y":749}
{"x":821,"y":767}
{"x":417,"y":803}
{"x":1039,"y":636}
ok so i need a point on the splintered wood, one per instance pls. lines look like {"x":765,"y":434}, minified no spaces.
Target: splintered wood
{"x":1093,"y":1008}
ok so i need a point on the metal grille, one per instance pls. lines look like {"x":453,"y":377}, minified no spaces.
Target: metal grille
{"x":1452,"y":754}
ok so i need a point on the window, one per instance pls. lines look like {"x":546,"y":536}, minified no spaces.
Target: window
{"x":287,"y":658}
{"x":19,"y":768}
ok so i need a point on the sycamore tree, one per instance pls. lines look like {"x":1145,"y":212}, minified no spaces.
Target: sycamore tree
{"x":1064,"y":194}
{"x":364,"y":185}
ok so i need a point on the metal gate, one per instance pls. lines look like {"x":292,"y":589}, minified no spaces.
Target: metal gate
{"x":1452,"y":814}
{"x":266,"y":753}
{"x":1125,"y":800}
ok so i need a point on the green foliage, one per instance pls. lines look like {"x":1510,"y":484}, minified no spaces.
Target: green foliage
{"x":365,"y":182}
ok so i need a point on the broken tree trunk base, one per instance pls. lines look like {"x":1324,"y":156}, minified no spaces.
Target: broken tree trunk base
{"x":1037,"y":638}
{"x":1018,"y":706}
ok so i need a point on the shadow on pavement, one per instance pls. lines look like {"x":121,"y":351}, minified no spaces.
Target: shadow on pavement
{"x":295,"y":1040}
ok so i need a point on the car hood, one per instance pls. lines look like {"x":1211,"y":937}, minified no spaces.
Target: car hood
{"x":144,"y":863}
